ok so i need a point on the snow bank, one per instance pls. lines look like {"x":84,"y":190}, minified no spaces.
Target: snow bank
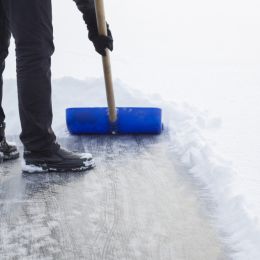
{"x":189,"y":146}
{"x":237,"y":229}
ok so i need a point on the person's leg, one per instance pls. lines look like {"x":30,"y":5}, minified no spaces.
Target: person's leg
{"x":31,"y":25}
{"x":7,"y":151}
{"x":4,"y":44}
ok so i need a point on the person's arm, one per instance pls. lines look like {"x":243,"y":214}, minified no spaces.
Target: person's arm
{"x":87,"y":8}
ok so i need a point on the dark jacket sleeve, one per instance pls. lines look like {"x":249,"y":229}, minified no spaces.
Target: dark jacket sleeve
{"x":87,"y":8}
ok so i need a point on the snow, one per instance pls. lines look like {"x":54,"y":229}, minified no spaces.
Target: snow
{"x":237,"y":228}
{"x":186,"y":126}
{"x":31,"y":168}
{"x":87,"y":156}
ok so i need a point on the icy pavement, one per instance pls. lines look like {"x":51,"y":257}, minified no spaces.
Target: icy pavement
{"x":133,"y":205}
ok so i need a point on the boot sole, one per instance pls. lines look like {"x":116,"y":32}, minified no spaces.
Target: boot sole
{"x":11,"y":156}
{"x":44,"y":168}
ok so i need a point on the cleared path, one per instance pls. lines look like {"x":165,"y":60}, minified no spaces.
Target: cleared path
{"x":134,"y":205}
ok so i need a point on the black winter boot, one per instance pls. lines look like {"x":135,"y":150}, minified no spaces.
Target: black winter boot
{"x":7,"y":151}
{"x":57,"y":160}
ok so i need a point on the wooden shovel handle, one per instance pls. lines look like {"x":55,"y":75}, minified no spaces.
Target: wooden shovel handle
{"x":102,"y":30}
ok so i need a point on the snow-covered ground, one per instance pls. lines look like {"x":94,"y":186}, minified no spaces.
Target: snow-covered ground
{"x":202,"y":53}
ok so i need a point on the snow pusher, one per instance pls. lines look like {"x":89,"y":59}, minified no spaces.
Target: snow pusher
{"x":112,"y":119}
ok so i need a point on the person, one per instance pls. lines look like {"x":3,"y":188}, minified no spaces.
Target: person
{"x":30,"y":23}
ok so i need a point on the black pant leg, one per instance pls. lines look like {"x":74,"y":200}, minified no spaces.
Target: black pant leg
{"x":4,"y":45}
{"x":31,"y":25}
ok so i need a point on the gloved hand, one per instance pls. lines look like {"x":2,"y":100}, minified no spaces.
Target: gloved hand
{"x":101,"y":42}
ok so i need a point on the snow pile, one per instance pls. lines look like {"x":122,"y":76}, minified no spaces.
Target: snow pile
{"x":189,"y":146}
{"x":236,"y":227}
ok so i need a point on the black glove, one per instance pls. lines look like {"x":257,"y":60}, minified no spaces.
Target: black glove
{"x":101,"y":42}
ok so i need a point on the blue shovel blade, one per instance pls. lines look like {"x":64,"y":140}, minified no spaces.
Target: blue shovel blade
{"x":131,"y":120}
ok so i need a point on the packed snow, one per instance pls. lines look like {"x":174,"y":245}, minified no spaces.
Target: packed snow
{"x":32,"y":168}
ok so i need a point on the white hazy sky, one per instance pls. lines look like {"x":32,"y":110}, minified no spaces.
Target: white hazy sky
{"x":161,"y":33}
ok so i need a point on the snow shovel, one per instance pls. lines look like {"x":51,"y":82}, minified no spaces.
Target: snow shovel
{"x":112,"y":120}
